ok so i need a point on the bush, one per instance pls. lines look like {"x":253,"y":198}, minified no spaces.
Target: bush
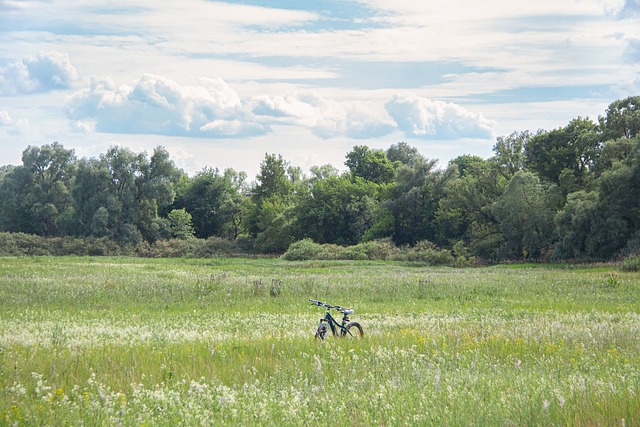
{"x":331,"y":252}
{"x":303,"y":250}
{"x":381,"y":249}
{"x":21,"y":244}
{"x":357,"y":252}
{"x":215,"y":247}
{"x":384,"y":249}
{"x":174,"y":248}
{"x":425,"y":252}
{"x":631,"y":263}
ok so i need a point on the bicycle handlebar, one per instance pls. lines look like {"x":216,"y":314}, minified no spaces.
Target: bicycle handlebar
{"x":329,"y":306}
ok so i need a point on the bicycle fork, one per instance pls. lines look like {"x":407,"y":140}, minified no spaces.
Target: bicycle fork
{"x":323,"y":329}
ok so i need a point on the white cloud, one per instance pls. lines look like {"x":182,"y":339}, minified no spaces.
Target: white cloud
{"x":632,"y":53}
{"x":424,"y":118}
{"x":158,"y":105}
{"x":13,"y":4}
{"x":211,"y":109}
{"x":623,"y":9}
{"x":12,"y":126}
{"x":324,"y":117}
{"x":5,"y":118}
{"x":40,"y":73}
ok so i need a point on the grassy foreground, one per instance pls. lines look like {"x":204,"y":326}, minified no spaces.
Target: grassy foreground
{"x":123,"y":341}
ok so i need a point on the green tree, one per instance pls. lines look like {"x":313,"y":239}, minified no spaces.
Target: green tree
{"x":319,"y":173}
{"x":509,"y":152}
{"x":465,"y":212}
{"x":618,"y":206}
{"x":575,"y":147}
{"x":273,"y":195}
{"x":131,"y":188}
{"x":525,"y":214}
{"x":214,"y":202}
{"x":180,"y":224}
{"x":404,"y":154}
{"x":371,"y":165}
{"x":273,"y":178}
{"x":468,"y":165}
{"x":336,"y":210}
{"x":35,"y":196}
{"x":622,"y":119}
{"x":408,"y":211}
{"x":575,"y":223}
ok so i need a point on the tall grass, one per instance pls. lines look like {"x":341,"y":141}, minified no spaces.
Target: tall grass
{"x":118,"y":341}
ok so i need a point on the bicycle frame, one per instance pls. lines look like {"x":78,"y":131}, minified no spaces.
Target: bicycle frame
{"x":338,"y":329}
{"x":333,"y":323}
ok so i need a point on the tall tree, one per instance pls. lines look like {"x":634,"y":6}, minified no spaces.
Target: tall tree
{"x":336,"y":210}
{"x":465,"y":212}
{"x":509,"y":152}
{"x":404,"y":153}
{"x":622,"y":119}
{"x":273,"y":179}
{"x":214,"y":201}
{"x":36,"y":196}
{"x":371,"y":165}
{"x":525,"y":213}
{"x":273,"y":195}
{"x":575,"y":148}
{"x":575,"y":223}
{"x":119,"y":195}
{"x":408,"y":213}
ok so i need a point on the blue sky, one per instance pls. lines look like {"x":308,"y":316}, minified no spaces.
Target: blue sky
{"x":220,"y":84}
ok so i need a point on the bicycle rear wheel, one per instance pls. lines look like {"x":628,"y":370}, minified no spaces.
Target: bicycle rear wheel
{"x":353,"y":330}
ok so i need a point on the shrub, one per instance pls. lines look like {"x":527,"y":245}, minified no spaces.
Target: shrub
{"x":303,"y":250}
{"x":215,"y":246}
{"x":381,"y":249}
{"x":175,"y":248}
{"x":426,"y":252}
{"x":357,"y":252}
{"x":331,"y":252}
{"x":631,"y":263}
{"x":21,"y":244}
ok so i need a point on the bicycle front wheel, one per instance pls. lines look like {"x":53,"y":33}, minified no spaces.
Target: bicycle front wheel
{"x":353,"y":330}
{"x":321,"y":332}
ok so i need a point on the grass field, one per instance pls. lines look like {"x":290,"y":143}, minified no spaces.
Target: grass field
{"x":124,"y":341}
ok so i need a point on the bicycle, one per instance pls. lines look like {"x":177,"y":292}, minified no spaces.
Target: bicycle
{"x":345,"y":329}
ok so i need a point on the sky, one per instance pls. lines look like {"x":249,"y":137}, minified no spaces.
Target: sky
{"x":221,"y":84}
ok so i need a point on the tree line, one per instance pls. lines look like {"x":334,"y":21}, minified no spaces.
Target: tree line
{"x":567,"y":193}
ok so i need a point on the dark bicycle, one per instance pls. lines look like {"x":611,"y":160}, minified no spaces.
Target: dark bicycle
{"x":345,"y":329}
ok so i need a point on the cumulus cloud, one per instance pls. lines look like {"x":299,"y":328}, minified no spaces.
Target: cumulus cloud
{"x":158,"y":105}
{"x":40,"y":73}
{"x":424,"y":118}
{"x":211,"y":109}
{"x":324,"y":117}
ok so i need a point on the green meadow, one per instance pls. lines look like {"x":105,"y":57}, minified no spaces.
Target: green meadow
{"x":131,"y":342}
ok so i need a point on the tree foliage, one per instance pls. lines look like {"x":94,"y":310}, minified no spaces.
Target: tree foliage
{"x":572,"y":192}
